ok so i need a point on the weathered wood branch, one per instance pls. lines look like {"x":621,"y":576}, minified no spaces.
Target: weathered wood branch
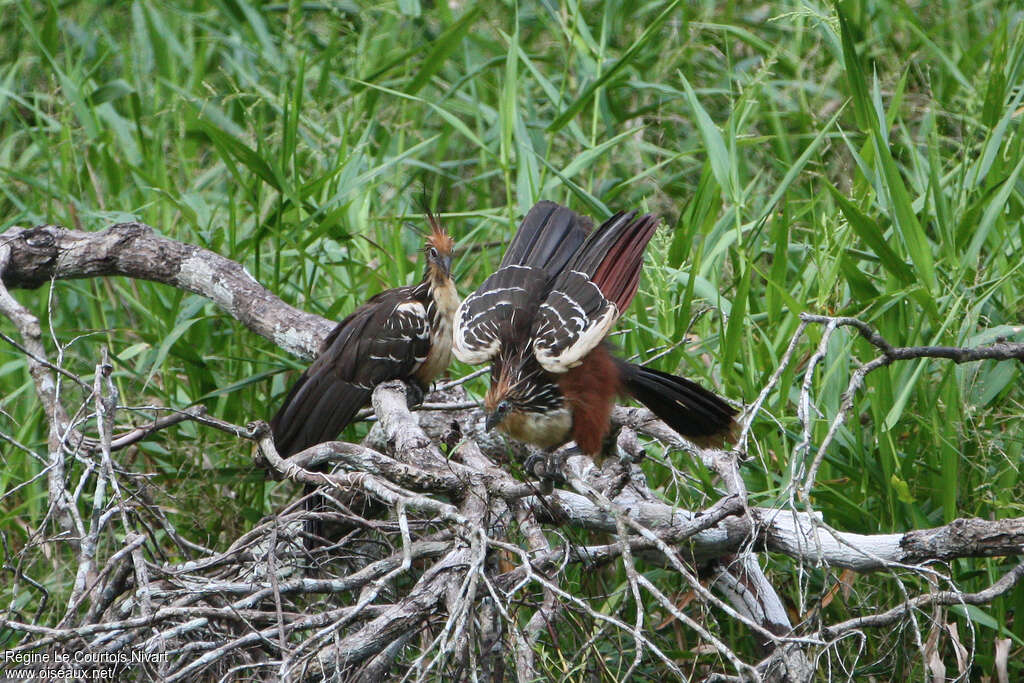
{"x":50,"y":252}
{"x":797,"y":534}
{"x":47,"y":389}
{"x":958,"y":354}
{"x":1004,"y":584}
{"x":440,"y":561}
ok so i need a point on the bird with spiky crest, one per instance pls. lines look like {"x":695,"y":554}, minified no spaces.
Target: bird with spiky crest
{"x":403,"y":333}
{"x":541,"y":320}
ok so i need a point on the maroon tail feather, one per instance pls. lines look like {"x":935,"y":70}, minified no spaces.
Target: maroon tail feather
{"x":613,"y":255}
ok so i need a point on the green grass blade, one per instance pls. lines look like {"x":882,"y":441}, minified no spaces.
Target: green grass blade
{"x":855,"y":77}
{"x":996,"y":208}
{"x":442,"y":49}
{"x":714,"y":143}
{"x":909,"y":227}
{"x":868,"y":230}
{"x":737,"y":324}
{"x":584,"y":98}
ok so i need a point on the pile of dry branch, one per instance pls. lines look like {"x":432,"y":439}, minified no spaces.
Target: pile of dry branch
{"x":445,"y":563}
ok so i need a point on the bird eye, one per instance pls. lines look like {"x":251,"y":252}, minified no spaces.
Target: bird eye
{"x":432,"y":252}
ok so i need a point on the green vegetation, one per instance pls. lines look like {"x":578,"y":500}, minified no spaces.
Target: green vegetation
{"x":802,"y":162}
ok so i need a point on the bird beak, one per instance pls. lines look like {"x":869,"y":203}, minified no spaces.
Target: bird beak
{"x":446,"y":265}
{"x":493,"y":420}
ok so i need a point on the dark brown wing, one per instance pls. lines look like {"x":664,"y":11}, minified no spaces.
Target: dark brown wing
{"x":593,"y":290}
{"x":503,"y":307}
{"x":547,"y":238}
{"x":388,"y":337}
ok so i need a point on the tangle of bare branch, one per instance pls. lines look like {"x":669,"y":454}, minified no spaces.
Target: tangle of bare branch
{"x":444,"y":563}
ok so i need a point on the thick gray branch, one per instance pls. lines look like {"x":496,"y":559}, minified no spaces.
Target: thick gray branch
{"x":800,"y":536}
{"x":47,"y":252}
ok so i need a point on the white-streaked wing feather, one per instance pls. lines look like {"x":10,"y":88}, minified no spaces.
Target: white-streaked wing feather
{"x":499,"y":310}
{"x":573,"y":319}
{"x":403,"y":342}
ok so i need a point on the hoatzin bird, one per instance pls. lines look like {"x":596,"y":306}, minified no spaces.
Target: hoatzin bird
{"x":403,"y":333}
{"x":541,"y":320}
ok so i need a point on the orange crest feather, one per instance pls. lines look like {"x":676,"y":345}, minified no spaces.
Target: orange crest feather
{"x":497,"y":391}
{"x":439,"y":238}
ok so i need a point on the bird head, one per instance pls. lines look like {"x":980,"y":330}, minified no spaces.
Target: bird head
{"x":499,"y":402}
{"x":495,"y":417}
{"x":438,"y":248}
{"x":518,"y":385}
{"x":502,"y":396}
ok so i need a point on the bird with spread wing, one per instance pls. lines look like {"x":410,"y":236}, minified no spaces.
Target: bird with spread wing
{"x":541,"y":321}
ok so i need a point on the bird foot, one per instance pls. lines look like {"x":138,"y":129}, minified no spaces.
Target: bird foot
{"x":414,"y":394}
{"x":547,"y":467}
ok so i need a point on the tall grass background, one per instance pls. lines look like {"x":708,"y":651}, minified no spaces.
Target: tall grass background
{"x":861,"y":162}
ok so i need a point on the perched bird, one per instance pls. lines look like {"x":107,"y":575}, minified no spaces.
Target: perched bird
{"x":403,"y":333}
{"x":541,"y":320}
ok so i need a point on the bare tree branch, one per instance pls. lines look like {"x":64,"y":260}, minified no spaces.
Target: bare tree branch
{"x":1005,"y":583}
{"x":443,"y":561}
{"x":49,"y":252}
{"x":890,"y":354}
{"x":48,"y":390}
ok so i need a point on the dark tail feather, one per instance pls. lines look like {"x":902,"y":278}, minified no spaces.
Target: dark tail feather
{"x":613,"y":255}
{"x":688,"y":408}
{"x":314,"y":528}
{"x":317,"y":408}
{"x":287,"y":424}
{"x":600,"y":241}
{"x":547,"y":238}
